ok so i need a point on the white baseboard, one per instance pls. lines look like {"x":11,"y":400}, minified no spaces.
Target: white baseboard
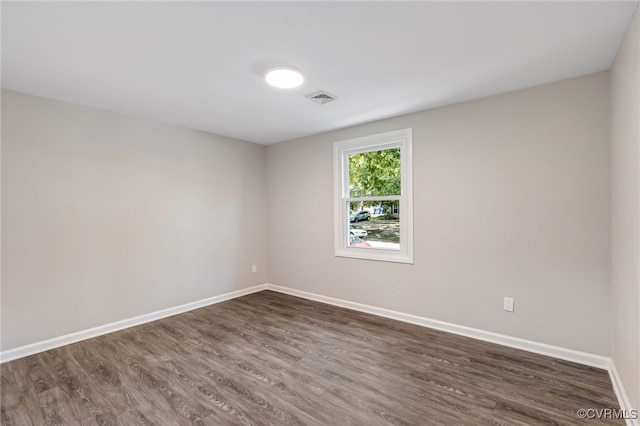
{"x":67,"y":339}
{"x":514,"y":342}
{"x":584,"y":358}
{"x":621,"y":394}
{"x":578,"y":357}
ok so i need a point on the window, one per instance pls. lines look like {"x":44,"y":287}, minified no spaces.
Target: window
{"x":373,"y":205}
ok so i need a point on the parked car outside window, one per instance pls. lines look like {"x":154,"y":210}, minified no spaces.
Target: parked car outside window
{"x":356,"y":232}
{"x":357,"y":242}
{"x":359,"y":215}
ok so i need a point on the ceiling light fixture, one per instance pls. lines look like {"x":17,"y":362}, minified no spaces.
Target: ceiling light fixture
{"x":284,"y":78}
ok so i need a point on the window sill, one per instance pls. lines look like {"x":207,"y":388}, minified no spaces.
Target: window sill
{"x":374,"y":254}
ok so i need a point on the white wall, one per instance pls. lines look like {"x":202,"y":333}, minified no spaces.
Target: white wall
{"x":106,"y":217}
{"x":625,"y":155}
{"x":511,"y":198}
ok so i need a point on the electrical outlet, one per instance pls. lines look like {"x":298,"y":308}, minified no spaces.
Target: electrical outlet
{"x":508,"y":304}
{"x":254,"y":269}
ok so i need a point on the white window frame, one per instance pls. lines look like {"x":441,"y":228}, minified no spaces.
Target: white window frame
{"x":341,"y":150}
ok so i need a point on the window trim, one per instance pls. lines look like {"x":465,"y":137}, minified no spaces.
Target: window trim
{"x":341,"y":150}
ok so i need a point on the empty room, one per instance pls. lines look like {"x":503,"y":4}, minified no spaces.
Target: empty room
{"x":320,"y":213}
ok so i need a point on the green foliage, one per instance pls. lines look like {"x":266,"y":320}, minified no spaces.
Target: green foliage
{"x":375,"y":173}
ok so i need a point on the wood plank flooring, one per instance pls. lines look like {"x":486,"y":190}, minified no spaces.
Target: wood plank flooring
{"x":273,"y":359}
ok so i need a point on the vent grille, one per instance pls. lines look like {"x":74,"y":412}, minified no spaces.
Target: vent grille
{"x":321,"y":97}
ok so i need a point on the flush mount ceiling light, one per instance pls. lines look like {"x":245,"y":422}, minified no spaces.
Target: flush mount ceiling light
{"x":284,"y":78}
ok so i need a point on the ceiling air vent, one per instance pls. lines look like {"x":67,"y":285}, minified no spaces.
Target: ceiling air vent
{"x":321,"y":97}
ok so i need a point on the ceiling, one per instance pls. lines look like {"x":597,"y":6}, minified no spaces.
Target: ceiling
{"x":201,"y":64}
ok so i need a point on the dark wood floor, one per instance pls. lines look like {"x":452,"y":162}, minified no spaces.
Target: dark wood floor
{"x":273,"y":359}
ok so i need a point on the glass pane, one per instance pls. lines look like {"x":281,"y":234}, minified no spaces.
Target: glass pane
{"x":374,"y":225}
{"x":374,"y":173}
